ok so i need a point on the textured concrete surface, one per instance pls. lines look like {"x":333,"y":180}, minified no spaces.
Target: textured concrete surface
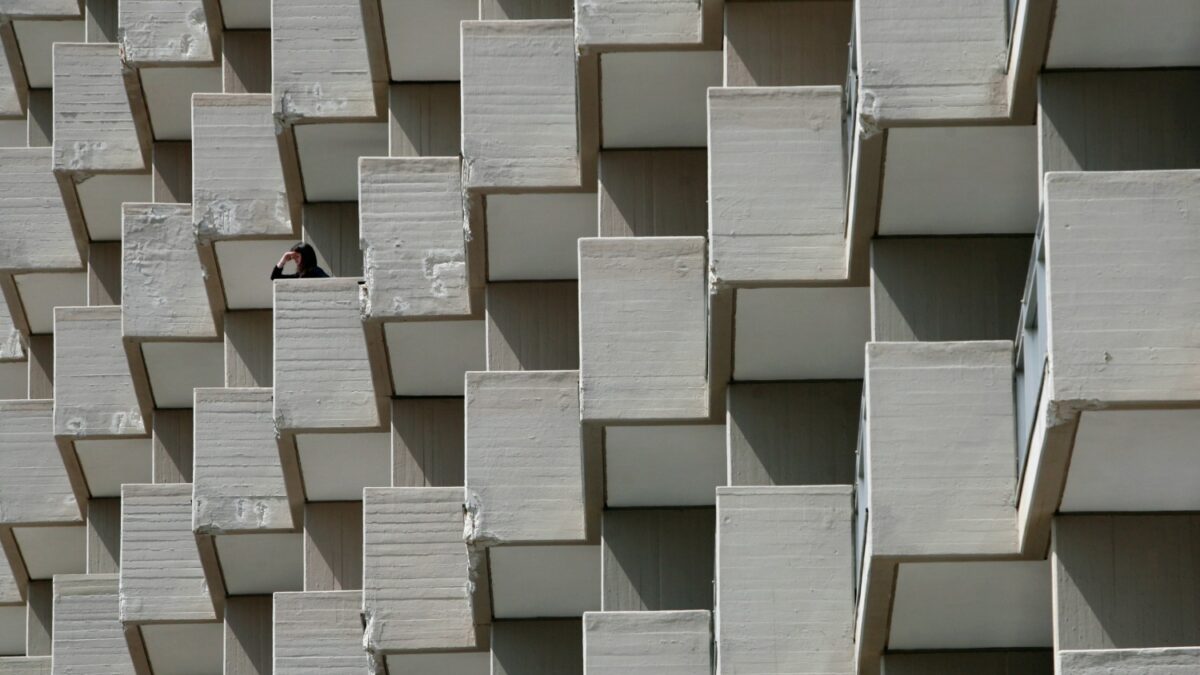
{"x":782,"y":43}
{"x":103,"y":535}
{"x":539,"y":647}
{"x":1126,"y":580}
{"x":322,"y":374}
{"x":321,"y":65}
{"x":11,"y":348}
{"x":88,"y":637}
{"x":785,"y":580}
{"x":33,"y":220}
{"x":792,"y":433}
{"x":238,"y":186}
{"x":10,"y":589}
{"x":638,"y":23}
{"x":34,"y":487}
{"x":425,"y":119}
{"x":643,"y":329}
{"x":524,"y":470}
{"x":25,"y":665}
{"x":44,"y":9}
{"x":13,"y":89}
{"x":162,"y":283}
{"x":777,"y":184}
{"x":94,"y":127}
{"x":1120,"y":256}
{"x":418,"y":577}
{"x":533,"y":325}
{"x":647,"y":643}
{"x":413,"y":229}
{"x":164,"y":31}
{"x":428,"y":442}
{"x":940,"y":486}
{"x":532,"y":142}
{"x":660,"y":192}
{"x":319,"y":633}
{"x":1173,"y":661}
{"x":656,"y":559}
{"x":161,"y":575}
{"x":93,"y":390}
{"x":333,"y":547}
{"x":935,"y":60}
{"x":238,"y":480}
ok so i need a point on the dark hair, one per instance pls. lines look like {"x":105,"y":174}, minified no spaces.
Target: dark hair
{"x":308,"y":256}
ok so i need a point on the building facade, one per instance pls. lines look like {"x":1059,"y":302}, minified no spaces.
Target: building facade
{"x":662,"y":337}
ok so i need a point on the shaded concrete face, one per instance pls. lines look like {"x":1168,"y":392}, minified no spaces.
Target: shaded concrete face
{"x":667,"y":643}
{"x":780,"y":44}
{"x":659,"y":193}
{"x":537,"y":647}
{"x":657,"y":560}
{"x":1031,"y":662}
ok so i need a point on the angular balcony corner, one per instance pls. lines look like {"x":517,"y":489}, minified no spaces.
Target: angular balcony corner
{"x":102,"y":137}
{"x":646,"y":643}
{"x":524,"y":461}
{"x":247,"y":504}
{"x":416,"y":242}
{"x":1107,"y":353}
{"x":533,"y":143}
{"x":168,"y":33}
{"x":423,"y":588}
{"x":778,"y":185}
{"x":328,"y":61}
{"x":643,"y":354}
{"x":937,"y":476}
{"x":642,"y":25}
{"x":34,"y":485}
{"x":87,"y":625}
{"x":797,"y":609}
{"x":239,"y":187}
{"x":323,"y":374}
{"x":319,"y":632}
{"x":926,"y":62}
{"x":164,"y":595}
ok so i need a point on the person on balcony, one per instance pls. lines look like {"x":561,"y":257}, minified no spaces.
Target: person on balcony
{"x":305,"y":258}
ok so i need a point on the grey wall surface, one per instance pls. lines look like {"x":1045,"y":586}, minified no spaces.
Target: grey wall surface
{"x":657,"y":559}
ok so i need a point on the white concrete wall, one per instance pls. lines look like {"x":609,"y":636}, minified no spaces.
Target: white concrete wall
{"x":941,"y":449}
{"x":88,"y":637}
{"x":238,"y":479}
{"x":1121,"y":251}
{"x":320,"y":63}
{"x":638,"y":23}
{"x":162,"y":282}
{"x":33,"y":220}
{"x":526,"y":142}
{"x":322,"y":373}
{"x":647,"y":643}
{"x":94,"y":128}
{"x":418,"y":577}
{"x":643,"y":331}
{"x":93,"y":389}
{"x":932,"y":60}
{"x":34,"y":487}
{"x":319,"y":633}
{"x":165,"y":31}
{"x":413,"y":229}
{"x":777,"y":184}
{"x":238,"y":187}
{"x":524,"y":467}
{"x":161,"y":575}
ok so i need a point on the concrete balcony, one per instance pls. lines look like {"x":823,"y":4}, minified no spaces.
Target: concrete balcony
{"x":102,"y":136}
{"x":532,"y":144}
{"x":641,"y":643}
{"x":166,"y":605}
{"x":1107,"y":355}
{"x":245,"y":513}
{"x":25,"y":665}
{"x":417,"y":248}
{"x":937,"y":505}
{"x":777,"y":191}
{"x":643,"y":329}
{"x":643,"y":25}
{"x":319,"y":632}
{"x":87,"y":625}
{"x":423,"y":588}
{"x":42,"y":267}
{"x":1148,"y":661}
{"x":243,"y":200}
{"x":525,"y":460}
{"x":784,"y":584}
{"x":168,"y":306}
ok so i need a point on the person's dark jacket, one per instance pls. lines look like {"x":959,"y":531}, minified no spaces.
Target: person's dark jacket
{"x":313,"y":273}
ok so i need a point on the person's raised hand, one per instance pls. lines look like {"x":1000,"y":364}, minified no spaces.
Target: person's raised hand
{"x":290,"y":255}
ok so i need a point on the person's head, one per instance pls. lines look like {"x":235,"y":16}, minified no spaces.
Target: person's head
{"x":308,"y":256}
